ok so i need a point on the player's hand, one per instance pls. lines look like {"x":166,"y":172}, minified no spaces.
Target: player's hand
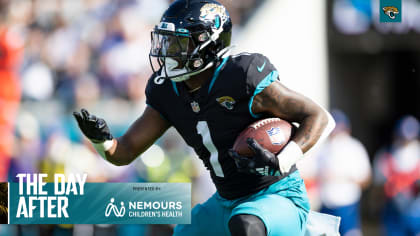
{"x":92,"y":127}
{"x":263,"y":162}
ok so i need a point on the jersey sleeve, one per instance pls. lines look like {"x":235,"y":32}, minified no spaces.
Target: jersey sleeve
{"x":153,"y":99}
{"x":150,"y":98}
{"x":259,"y":75}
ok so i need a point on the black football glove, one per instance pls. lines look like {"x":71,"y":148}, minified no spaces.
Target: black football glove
{"x":93,"y":128}
{"x":263,"y":162}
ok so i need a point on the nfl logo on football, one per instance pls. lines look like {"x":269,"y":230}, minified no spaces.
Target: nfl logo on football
{"x":276,"y":136}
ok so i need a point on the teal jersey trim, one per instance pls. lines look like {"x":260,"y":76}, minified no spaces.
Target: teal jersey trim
{"x":217,"y":72}
{"x":270,"y":78}
{"x":175,"y":88}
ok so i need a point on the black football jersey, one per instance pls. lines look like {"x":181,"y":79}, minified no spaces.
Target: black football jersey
{"x":211,"y":118}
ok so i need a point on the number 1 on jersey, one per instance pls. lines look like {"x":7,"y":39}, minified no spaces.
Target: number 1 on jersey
{"x":203,"y":130}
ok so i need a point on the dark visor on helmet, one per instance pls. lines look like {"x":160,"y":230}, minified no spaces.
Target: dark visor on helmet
{"x":169,"y":44}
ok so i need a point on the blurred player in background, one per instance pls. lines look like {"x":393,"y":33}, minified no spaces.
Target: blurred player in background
{"x":343,"y":172}
{"x":210,"y":96}
{"x":397,"y":173}
{"x":11,"y":48}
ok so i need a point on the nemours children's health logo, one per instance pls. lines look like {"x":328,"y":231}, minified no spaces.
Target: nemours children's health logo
{"x":143,"y":209}
{"x":112,"y":208}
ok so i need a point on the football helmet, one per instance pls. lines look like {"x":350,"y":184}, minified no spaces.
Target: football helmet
{"x":191,"y":37}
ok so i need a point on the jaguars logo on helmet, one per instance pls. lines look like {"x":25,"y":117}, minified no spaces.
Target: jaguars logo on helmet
{"x":214,"y":13}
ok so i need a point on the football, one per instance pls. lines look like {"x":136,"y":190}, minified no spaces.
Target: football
{"x":271,"y":133}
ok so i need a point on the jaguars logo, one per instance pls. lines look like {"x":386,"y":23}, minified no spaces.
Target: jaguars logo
{"x":226,"y":102}
{"x":391,"y":11}
{"x":214,"y":13}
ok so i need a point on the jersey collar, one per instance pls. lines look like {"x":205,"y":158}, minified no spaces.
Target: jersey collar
{"x":202,"y":94}
{"x":216,"y":73}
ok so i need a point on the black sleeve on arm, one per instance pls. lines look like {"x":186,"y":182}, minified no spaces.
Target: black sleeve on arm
{"x":154,"y":97}
{"x":259,"y":74}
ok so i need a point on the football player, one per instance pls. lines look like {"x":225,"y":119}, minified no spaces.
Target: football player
{"x":210,"y":96}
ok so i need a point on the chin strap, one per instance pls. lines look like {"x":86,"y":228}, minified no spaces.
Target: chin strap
{"x":225,"y":52}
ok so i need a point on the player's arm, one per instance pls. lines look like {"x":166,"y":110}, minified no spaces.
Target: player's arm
{"x":123,"y":150}
{"x":279,"y":101}
{"x":315,"y":123}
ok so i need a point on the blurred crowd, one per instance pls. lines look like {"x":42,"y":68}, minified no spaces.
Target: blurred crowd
{"x":57,"y":56}
{"x":340,"y":175}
